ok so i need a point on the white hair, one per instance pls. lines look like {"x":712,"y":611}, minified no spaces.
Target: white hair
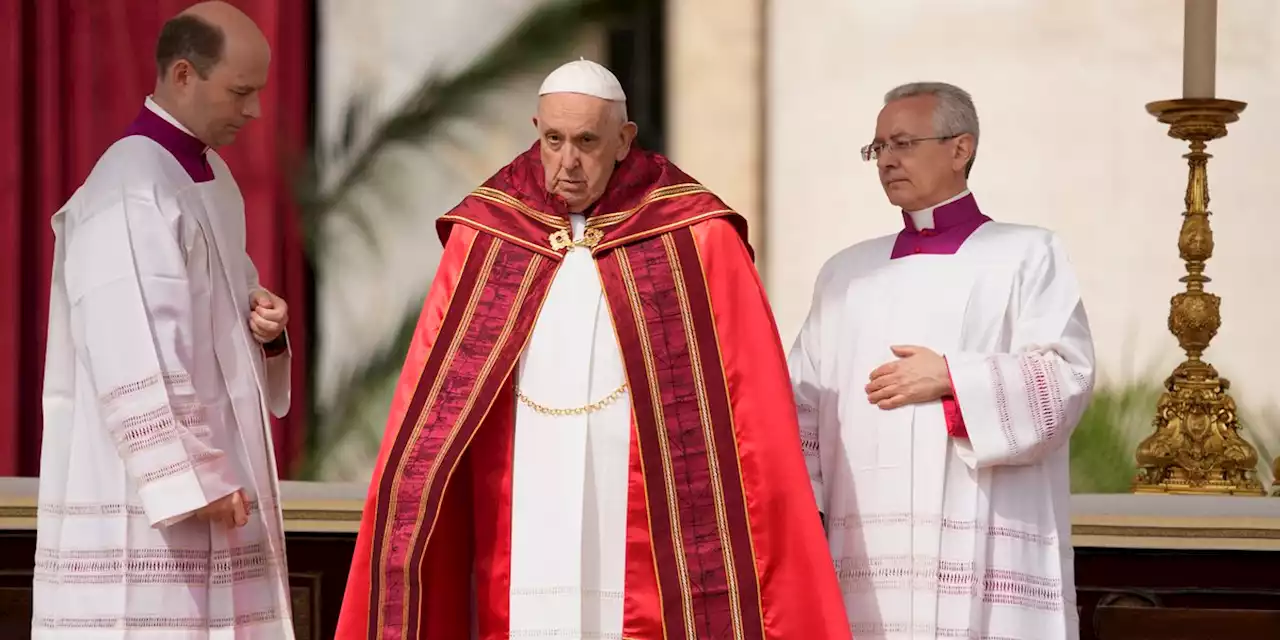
{"x":954,"y":115}
{"x":619,"y":110}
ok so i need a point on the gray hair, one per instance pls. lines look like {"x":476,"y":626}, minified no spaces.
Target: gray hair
{"x":620,"y":110}
{"x":954,"y":115}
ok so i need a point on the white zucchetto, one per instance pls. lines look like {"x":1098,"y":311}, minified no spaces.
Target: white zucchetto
{"x":585,"y":77}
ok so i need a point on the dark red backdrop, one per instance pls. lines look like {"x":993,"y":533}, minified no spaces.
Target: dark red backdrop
{"x":73,"y":74}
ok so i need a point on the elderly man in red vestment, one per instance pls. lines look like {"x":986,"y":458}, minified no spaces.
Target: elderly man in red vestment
{"x":594,"y":434}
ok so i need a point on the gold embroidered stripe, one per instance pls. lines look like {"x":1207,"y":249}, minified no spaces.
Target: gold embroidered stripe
{"x":668,"y":473}
{"x":704,"y":414}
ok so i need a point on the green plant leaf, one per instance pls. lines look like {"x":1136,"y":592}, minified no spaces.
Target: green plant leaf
{"x":332,"y":421}
{"x":1103,"y":444}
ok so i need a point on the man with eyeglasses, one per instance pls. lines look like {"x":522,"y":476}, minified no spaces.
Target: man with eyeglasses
{"x":938,"y":378}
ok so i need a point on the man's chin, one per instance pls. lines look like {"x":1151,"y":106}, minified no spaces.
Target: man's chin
{"x":899,"y":194}
{"x":575,"y":200}
{"x":226,"y":138}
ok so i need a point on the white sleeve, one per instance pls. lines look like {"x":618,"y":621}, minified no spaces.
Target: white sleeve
{"x":130,"y":312}
{"x":1020,"y":406}
{"x":803,"y":363}
{"x":279,"y":380}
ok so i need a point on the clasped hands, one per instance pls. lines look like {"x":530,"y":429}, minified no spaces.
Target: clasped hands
{"x":918,"y":375}
{"x":268,"y":315}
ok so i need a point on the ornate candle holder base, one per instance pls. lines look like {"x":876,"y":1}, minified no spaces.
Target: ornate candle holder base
{"x":1196,"y":447}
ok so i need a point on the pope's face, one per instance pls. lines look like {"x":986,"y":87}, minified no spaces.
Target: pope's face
{"x":220,"y":105}
{"x":581,"y":137}
{"x":917,"y":171}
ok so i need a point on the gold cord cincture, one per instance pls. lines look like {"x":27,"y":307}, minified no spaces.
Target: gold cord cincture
{"x":576,"y":411}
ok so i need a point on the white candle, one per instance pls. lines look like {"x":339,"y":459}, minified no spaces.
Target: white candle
{"x":1199,"y":48}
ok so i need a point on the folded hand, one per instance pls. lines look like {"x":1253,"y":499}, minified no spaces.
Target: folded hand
{"x":268,"y":315}
{"x":231,"y":510}
{"x":919,"y":375}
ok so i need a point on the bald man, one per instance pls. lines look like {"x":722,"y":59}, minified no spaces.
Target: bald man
{"x":159,"y":514}
{"x":594,"y":424}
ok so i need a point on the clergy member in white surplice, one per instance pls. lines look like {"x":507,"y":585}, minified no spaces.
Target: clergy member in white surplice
{"x":938,"y":378}
{"x":159,"y":512}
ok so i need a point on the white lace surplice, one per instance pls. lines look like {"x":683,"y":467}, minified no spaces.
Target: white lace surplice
{"x":155,"y":404}
{"x":934,"y":536}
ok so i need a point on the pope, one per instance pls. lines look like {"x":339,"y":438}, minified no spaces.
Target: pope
{"x":593,"y":435}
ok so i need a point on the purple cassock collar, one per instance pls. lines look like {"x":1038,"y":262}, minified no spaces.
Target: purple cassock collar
{"x":187,"y":149}
{"x":953,"y":223}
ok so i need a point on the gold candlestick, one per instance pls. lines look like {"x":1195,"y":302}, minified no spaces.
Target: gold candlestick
{"x":1196,"y":447}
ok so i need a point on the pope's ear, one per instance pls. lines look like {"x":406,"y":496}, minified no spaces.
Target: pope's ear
{"x":629,"y":131}
{"x":535,"y":122}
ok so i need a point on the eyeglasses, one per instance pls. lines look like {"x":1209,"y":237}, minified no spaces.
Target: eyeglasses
{"x":873,"y":150}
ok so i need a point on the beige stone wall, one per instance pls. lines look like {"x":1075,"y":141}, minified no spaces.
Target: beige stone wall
{"x":715,"y":109}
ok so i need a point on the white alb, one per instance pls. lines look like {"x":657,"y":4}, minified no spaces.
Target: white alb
{"x":934,"y":536}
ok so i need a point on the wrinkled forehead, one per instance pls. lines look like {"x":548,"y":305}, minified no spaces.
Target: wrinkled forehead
{"x":574,"y":112}
{"x":906,"y":118}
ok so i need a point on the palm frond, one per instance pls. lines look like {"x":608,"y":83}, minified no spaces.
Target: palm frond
{"x":1102,"y":445}
{"x":351,"y":450}
{"x":349,"y":407}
